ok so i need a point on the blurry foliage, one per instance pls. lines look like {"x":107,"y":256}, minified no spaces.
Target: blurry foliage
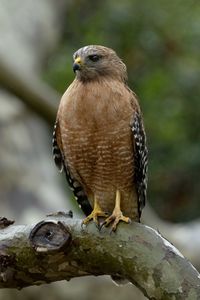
{"x":159,"y":41}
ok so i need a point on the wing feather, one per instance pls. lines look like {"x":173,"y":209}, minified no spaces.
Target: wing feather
{"x":60,"y":162}
{"x":140,"y":159}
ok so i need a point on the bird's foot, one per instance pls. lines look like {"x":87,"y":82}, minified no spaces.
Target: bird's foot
{"x":95,"y":214}
{"x":115,"y":218}
{"x":117,"y":215}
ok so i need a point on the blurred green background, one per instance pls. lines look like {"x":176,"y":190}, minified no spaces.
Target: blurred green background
{"x":159,"y":41}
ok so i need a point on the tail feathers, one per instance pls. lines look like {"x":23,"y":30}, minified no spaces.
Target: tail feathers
{"x":79,"y":193}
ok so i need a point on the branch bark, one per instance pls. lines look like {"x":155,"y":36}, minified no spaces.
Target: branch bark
{"x":185,"y":236}
{"x":59,"y":248}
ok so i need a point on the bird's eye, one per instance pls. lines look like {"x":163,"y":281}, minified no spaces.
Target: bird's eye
{"x":94,"y":57}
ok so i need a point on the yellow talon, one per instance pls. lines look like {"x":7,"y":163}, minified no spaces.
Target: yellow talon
{"x":97,"y":212}
{"x":117,"y":215}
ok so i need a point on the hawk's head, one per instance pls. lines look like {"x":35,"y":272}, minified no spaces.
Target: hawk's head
{"x":94,"y":61}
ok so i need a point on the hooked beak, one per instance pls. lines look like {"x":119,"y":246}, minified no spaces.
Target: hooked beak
{"x":77,"y":64}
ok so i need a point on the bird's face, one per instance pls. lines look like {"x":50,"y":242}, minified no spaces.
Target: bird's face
{"x":92,"y":62}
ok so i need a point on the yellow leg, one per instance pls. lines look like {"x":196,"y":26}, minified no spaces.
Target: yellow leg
{"x":97,"y":212}
{"x":117,"y":215}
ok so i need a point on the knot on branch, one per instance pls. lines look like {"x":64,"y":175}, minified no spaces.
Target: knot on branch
{"x":4,"y":222}
{"x":50,"y":236}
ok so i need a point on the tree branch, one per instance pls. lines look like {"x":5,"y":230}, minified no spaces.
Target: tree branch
{"x":180,"y":234}
{"x":59,"y":248}
{"x":37,"y":95}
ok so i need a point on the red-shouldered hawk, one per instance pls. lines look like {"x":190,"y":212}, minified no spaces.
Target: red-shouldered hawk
{"x":99,"y":139}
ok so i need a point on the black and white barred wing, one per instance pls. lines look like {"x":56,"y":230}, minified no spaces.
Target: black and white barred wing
{"x":59,"y":160}
{"x":56,"y":150}
{"x":140,"y":159}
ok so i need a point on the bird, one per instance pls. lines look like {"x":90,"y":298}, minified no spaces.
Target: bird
{"x":99,"y":139}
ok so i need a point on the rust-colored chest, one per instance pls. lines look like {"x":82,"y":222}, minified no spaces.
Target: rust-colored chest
{"x":97,"y":139}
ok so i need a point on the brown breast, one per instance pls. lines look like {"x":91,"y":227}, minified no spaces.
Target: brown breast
{"x":97,"y":141}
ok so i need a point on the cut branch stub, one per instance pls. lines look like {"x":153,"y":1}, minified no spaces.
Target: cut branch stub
{"x":4,"y":222}
{"x":49,"y":236}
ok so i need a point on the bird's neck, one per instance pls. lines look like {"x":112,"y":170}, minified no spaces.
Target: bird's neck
{"x":95,"y":103}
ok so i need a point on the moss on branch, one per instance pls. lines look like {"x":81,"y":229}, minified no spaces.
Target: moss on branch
{"x":59,"y":248}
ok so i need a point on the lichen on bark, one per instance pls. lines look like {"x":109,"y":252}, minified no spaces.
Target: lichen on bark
{"x":59,"y":248}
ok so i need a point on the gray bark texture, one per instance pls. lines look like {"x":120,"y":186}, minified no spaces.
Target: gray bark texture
{"x":59,"y":248}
